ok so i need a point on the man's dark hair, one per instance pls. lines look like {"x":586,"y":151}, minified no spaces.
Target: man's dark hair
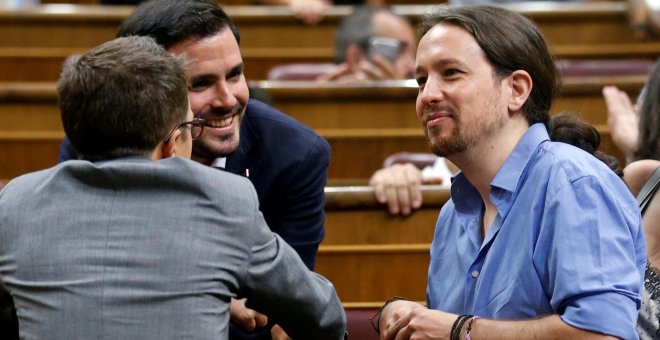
{"x":510,"y":42}
{"x":567,"y":127}
{"x":649,"y":118}
{"x":172,"y":21}
{"x":122,"y":98}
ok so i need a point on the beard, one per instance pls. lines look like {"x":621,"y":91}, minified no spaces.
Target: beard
{"x":464,"y":135}
{"x":212,"y":147}
{"x":203,"y":149}
{"x":447,"y":146}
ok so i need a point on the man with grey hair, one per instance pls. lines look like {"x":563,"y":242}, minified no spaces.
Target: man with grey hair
{"x":130,"y":242}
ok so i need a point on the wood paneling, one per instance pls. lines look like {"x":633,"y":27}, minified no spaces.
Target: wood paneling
{"x":363,"y":124}
{"x":271,"y":35}
{"x":391,"y":104}
{"x":370,"y":255}
{"x":563,"y":24}
{"x":376,"y":273}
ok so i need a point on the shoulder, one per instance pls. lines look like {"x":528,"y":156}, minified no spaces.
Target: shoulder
{"x":278,"y":134}
{"x":568,"y":163}
{"x":199,"y":177}
{"x":637,"y":173}
{"x":268,"y":121}
{"x":27,"y":182}
{"x":565,"y":167}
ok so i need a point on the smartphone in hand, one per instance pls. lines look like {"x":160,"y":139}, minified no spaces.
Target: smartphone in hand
{"x":389,"y":48}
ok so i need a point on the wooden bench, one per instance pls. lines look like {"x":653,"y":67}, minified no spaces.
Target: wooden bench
{"x":391,"y":104}
{"x":370,"y":255}
{"x":363,"y":124}
{"x":275,"y":27}
{"x":271,"y":35}
{"x":355,"y":154}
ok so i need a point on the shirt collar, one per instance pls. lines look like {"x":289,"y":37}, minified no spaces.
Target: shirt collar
{"x":509,"y":175}
{"x":465,"y":195}
{"x":219,"y":162}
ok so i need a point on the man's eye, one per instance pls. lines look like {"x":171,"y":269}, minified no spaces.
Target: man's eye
{"x":200,"y":85}
{"x":421,"y":81}
{"x":235,"y":75}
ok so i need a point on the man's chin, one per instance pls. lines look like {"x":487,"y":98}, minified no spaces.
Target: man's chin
{"x":217,"y":150}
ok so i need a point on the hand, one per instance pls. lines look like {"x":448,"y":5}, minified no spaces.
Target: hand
{"x":277,"y":333}
{"x":342,"y":71}
{"x":399,"y":187}
{"x":377,"y":68}
{"x":244,"y":317}
{"x":409,"y":320}
{"x":309,"y":11}
{"x":622,"y":119}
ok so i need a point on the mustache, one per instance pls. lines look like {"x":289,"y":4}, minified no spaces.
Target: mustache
{"x":431,"y":108}
{"x":219,"y":112}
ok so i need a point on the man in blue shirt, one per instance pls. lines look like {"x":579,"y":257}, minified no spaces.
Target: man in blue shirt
{"x":540,"y":239}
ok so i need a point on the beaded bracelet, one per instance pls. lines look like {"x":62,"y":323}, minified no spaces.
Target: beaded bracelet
{"x":469,"y":329}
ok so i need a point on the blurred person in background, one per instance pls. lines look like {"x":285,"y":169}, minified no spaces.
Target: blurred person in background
{"x":373,"y":44}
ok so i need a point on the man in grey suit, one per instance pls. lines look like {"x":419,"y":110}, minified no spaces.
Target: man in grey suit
{"x":131,"y":242}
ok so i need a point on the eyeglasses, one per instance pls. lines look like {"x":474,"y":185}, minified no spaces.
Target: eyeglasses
{"x":196,"y":127}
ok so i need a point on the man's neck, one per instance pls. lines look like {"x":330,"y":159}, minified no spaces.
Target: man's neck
{"x":482,"y":161}
{"x":205,"y":161}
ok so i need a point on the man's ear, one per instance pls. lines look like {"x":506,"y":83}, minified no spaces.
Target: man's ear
{"x":354,"y":55}
{"x":521,"y":86}
{"x":168,"y":149}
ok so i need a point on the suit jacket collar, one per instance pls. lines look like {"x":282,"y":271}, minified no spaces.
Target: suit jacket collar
{"x":244,"y":156}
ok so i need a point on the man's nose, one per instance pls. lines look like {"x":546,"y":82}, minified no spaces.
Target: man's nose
{"x":223,"y":96}
{"x":431,"y":93}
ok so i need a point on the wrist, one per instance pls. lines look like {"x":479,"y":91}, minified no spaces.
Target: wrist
{"x":375,"y":319}
{"x":467,"y":330}
{"x":456,"y":332}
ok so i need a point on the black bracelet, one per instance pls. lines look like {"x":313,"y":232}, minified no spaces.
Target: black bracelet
{"x":453,"y":327}
{"x":375,"y":319}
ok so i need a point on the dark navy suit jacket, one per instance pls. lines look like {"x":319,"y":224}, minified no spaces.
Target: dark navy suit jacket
{"x":287,"y":164}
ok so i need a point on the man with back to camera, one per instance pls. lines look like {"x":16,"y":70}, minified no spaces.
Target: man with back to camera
{"x":286,"y":161}
{"x":539,"y":239}
{"x":373,"y":44}
{"x":131,"y":242}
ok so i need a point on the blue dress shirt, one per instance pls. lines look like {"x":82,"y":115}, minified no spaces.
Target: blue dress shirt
{"x":567,"y":240}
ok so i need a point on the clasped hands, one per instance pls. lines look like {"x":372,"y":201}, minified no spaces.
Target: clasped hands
{"x":251,"y":320}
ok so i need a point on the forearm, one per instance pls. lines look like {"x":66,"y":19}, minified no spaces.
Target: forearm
{"x":549,"y":327}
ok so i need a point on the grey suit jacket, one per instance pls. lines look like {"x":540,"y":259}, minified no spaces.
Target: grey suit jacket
{"x":140,"y":249}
